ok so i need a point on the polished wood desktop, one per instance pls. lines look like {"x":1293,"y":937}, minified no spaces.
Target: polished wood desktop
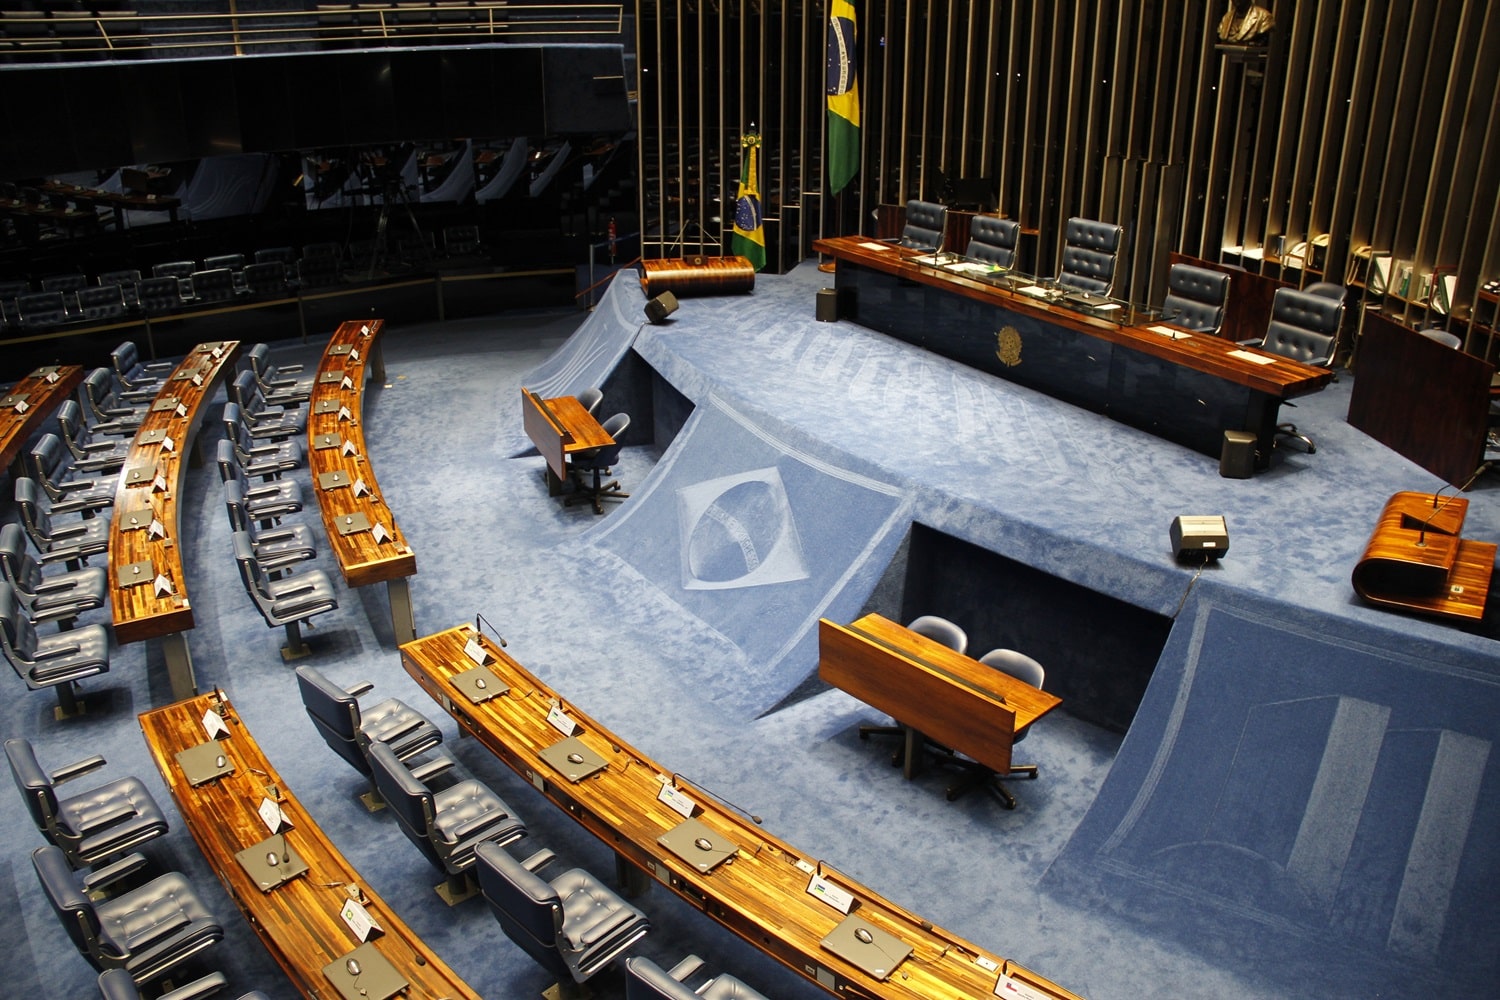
{"x":1423,"y":400}
{"x":28,"y":404}
{"x":1417,"y":561}
{"x":931,"y":690}
{"x":760,"y":892}
{"x":1189,"y":390}
{"x":559,"y":427}
{"x":349,"y":498}
{"x":298,"y":921}
{"x":151,"y":483}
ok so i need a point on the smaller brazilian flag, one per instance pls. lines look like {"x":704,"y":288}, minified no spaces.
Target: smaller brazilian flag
{"x":749,"y":238}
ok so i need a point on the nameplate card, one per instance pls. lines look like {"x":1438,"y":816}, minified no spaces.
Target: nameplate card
{"x":353,"y":354}
{"x":197,"y":380}
{"x":1014,"y":989}
{"x":328,"y":378}
{"x":351,"y":524}
{"x":326,"y":406}
{"x":22,"y":406}
{"x":214,"y":724}
{"x":474,"y":650}
{"x":819,"y":887}
{"x":271,"y":815}
{"x":360,"y":489}
{"x":340,"y":349}
{"x":379,"y":533}
{"x":134,"y":522}
{"x":675,"y":799}
{"x":1259,"y":359}
{"x":204,"y":762}
{"x":479,"y":684}
{"x":163,"y":405}
{"x":167,"y":444}
{"x":156,"y":529}
{"x":16,"y":399}
{"x":271,"y":863}
{"x":181,"y":410}
{"x":322,"y":441}
{"x":333,"y":480}
{"x":159,"y":484}
{"x":346,"y":383}
{"x":365,"y":974}
{"x":364,"y":331}
{"x":135,"y":573}
{"x":345,"y":414}
{"x":561,"y":720}
{"x":162,"y":586}
{"x":1167,"y":331}
{"x":348,"y":449}
{"x":358,"y":918}
{"x":153,"y":436}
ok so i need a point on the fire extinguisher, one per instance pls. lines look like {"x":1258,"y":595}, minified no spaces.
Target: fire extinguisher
{"x":611,"y":239}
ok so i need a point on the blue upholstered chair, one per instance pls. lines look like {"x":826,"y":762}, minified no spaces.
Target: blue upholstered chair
{"x":285,"y":603}
{"x":597,"y":462}
{"x":89,"y":454}
{"x":1090,"y":252}
{"x":58,"y":661}
{"x":59,"y":598}
{"x":48,"y":460}
{"x":106,"y":410}
{"x":1196,"y":298}
{"x":993,"y":240}
{"x":267,"y":459}
{"x":135,"y":375}
{"x":280,"y":385}
{"x":277,"y":548}
{"x":1305,"y":328}
{"x":71,"y":542}
{"x":264,"y":501}
{"x":645,"y":980}
{"x":1022,"y":668}
{"x":116,"y":984}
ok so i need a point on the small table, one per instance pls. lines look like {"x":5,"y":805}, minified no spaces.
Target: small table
{"x":559,"y":427}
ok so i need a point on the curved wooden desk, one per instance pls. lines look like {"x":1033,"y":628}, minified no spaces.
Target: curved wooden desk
{"x":760,"y":892}
{"x":28,"y":404}
{"x":148,"y":587}
{"x":298,"y":920}
{"x":685,"y":277}
{"x":361,"y":530}
{"x":1416,"y":561}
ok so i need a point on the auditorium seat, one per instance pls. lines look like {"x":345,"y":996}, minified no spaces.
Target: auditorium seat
{"x":57,"y":661}
{"x":277,"y":548}
{"x":216,"y":285}
{"x":58,"y":598}
{"x":265,"y":279}
{"x":41,"y":310}
{"x":265,"y":460}
{"x":47,"y":462}
{"x":126,"y":279}
{"x":71,"y":542}
{"x":1305,"y":328}
{"x":265,"y":501}
{"x":645,"y":980}
{"x":100,"y":303}
{"x":285,"y":603}
{"x":1023,"y":668}
{"x":89,"y":455}
{"x":160,"y":294}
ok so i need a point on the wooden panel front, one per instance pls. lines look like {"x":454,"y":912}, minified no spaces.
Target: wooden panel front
{"x":961,"y":703}
{"x":44,"y":390}
{"x":760,"y":893}
{"x":559,"y":427}
{"x":299,"y":920}
{"x":340,"y":385}
{"x":139,"y":611}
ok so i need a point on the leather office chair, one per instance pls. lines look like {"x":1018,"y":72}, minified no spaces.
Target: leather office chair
{"x":591,"y":397}
{"x":89,"y":454}
{"x":285,"y":603}
{"x":938,"y":629}
{"x":1303,"y":327}
{"x":116,"y":984}
{"x":160,"y":294}
{"x":100,"y":303}
{"x":573,"y":924}
{"x":91,"y":826}
{"x":266,"y":280}
{"x":266,"y":459}
{"x":47,"y":459}
{"x":276,"y":548}
{"x":70,"y":543}
{"x":645,"y":980}
{"x":134,"y":375}
{"x":926,"y":222}
{"x":1022,"y":668}
{"x":59,"y":598}
{"x":67,"y":282}
{"x":57,"y":661}
{"x":598,"y":462}
{"x":212,"y":286}
{"x":1090,"y":250}
{"x":264,"y":501}
{"x":349,"y":728}
{"x":174,"y":269}
{"x":1442,"y":336}
{"x":106,"y":410}
{"x":993,"y":240}
{"x":126,"y":280}
{"x":1196,"y":298}
{"x":445,"y":825}
{"x":261,"y":419}
{"x":280,"y":385}
{"x":41,"y":310}
{"x":1327,"y":289}
{"x":147,"y":931}
{"x":230,"y":261}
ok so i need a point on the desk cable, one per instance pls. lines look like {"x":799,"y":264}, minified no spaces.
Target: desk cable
{"x":1191,"y":583}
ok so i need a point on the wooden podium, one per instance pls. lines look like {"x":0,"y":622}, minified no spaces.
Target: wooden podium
{"x":1417,"y":561}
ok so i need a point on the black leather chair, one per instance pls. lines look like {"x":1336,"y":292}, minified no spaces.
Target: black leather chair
{"x":261,"y":419}
{"x":589,"y":467}
{"x":147,"y":931}
{"x":276,"y":548}
{"x":349,"y":729}
{"x":100,"y":303}
{"x":57,"y":661}
{"x":645,"y":980}
{"x":925,"y":224}
{"x":1304,"y":327}
{"x":70,"y":543}
{"x":280,"y":385}
{"x":94,"y":825}
{"x":573,"y":924}
{"x":126,"y":280}
{"x":48,"y":460}
{"x":89,"y":454}
{"x":266,"y":459}
{"x":173,"y":269}
{"x":445,"y":825}
{"x":285,"y":603}
{"x":1196,"y":298}
{"x":993,"y":240}
{"x":160,"y":294}
{"x":213,"y":286}
{"x":1090,"y":251}
{"x":59,"y":598}
{"x":41,"y":310}
{"x":264,"y":501}
{"x":1022,"y":668}
{"x":116,"y":984}
{"x":266,"y":279}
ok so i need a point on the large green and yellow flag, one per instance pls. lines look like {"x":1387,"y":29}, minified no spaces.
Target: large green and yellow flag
{"x":749,"y":239}
{"x":843,"y":96}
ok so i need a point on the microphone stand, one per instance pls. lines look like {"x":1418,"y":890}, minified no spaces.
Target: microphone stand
{"x":480,"y":619}
{"x":1436,"y":510}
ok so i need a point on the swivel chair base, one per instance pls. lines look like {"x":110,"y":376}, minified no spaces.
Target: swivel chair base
{"x":1290,"y":431}
{"x":595,"y":494}
{"x":979,"y":776}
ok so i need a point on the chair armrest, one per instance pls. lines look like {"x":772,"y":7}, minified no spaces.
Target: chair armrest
{"x":113,"y":818}
{"x":275,"y":535}
{"x":294,"y":591}
{"x":77,"y":769}
{"x":287,"y":370}
{"x":111,"y":873}
{"x":262,"y":491}
{"x":685,"y":968}
{"x":68,"y":530}
{"x":537,"y":860}
{"x":476,"y":824}
{"x":96,"y":445}
{"x":75,"y":484}
{"x":360,"y":689}
{"x":176,"y":936}
{"x":198,"y":988}
{"x":51,"y":586}
{"x":52,"y":654}
{"x":432,"y":768}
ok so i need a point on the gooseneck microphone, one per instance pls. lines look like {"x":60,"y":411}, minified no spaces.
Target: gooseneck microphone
{"x":1436,"y":510}
{"x":676,"y":775}
{"x":479,"y":619}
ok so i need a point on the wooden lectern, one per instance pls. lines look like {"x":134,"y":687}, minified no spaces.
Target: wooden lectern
{"x":1416,"y":560}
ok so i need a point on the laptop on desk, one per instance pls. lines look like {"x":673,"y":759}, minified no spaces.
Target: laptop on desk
{"x":868,"y":947}
{"x":572,"y":759}
{"x":696,"y":844}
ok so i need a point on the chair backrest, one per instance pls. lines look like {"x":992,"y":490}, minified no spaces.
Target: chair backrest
{"x":408,"y":798}
{"x":234,"y":504}
{"x":258,"y":358}
{"x":925,"y":223}
{"x":125,"y":359}
{"x":73,"y":908}
{"x":265,"y":276}
{"x":75,"y":431}
{"x":993,"y":240}
{"x":645,"y":980}
{"x":34,"y":516}
{"x":232,"y":261}
{"x":41,"y":308}
{"x":526,"y":906}
{"x":1090,"y":249}
{"x":279,"y":255}
{"x":615,"y":427}
{"x":1196,"y":298}
{"x":257,"y":584}
{"x":1303,"y":327}
{"x":228,"y":461}
{"x":591,"y":398}
{"x":1441,"y":336}
{"x":20,"y":570}
{"x":159,"y":293}
{"x":72,"y":281}
{"x":123,"y":278}
{"x":46,"y":461}
{"x":99,"y":392}
{"x":101,"y":301}
{"x":941,"y":630}
{"x":1018,"y":665}
{"x":215,"y":285}
{"x":34,"y":784}
{"x":16,"y":631}
{"x":173,"y":269}
{"x":245,"y":391}
{"x":335,"y":715}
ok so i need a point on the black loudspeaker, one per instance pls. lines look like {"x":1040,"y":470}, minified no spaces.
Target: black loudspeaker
{"x":661,"y":307}
{"x":828,"y":305}
{"x":1237,"y":456}
{"x":1199,"y":537}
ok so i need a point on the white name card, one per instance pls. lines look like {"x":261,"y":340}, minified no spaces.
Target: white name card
{"x":21,"y":406}
{"x":214,"y":725}
{"x":159,"y":484}
{"x":560,"y":720}
{"x":820,"y":888}
{"x":167,"y":444}
{"x":354,"y":353}
{"x":674,"y":798}
{"x":198,"y":379}
{"x":360,"y":489}
{"x":379,"y":533}
{"x":348,"y":448}
{"x":181,"y":410}
{"x":344,"y":413}
{"x":358,"y":918}
{"x":1016,"y":990}
{"x":162,"y":586}
{"x":346,"y":383}
{"x":474,"y":650}
{"x":52,"y":377}
{"x":271,"y":815}
{"x":364,"y":331}
{"x":156,"y":529}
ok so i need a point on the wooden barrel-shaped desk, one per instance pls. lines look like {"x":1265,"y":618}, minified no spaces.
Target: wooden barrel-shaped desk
{"x":699,"y":275}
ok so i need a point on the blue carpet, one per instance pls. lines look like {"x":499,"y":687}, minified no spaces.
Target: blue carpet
{"x":1194,"y":858}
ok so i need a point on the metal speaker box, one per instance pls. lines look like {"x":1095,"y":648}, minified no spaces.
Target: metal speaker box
{"x":1199,"y":537}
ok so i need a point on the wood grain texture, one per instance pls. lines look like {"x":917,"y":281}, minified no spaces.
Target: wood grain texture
{"x":759,"y":893}
{"x":559,"y":427}
{"x":361,"y":559}
{"x":1281,"y":379}
{"x":42,"y":397}
{"x":299,"y":920}
{"x":686,"y":277}
{"x":139,"y":612}
{"x":1417,"y":561}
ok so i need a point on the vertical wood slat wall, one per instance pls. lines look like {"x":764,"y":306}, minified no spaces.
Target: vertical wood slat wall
{"x":1359,"y":123}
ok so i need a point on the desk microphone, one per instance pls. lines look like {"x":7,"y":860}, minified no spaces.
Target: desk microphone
{"x":677,"y":774}
{"x":1436,"y":510}
{"x":480,"y":619}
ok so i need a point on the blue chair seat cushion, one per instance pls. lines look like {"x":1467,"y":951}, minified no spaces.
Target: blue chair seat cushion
{"x":121,"y":808}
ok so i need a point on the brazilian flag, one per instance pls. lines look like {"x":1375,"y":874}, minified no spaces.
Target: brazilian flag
{"x":843,"y":96}
{"x":749,"y":238}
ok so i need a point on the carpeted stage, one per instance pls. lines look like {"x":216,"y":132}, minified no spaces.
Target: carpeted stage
{"x":1257,"y":787}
